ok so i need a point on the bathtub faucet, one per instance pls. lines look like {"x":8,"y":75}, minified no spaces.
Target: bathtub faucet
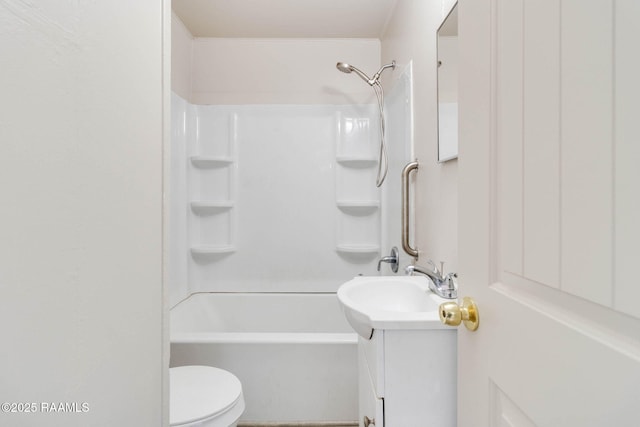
{"x":445,"y":287}
{"x":393,"y":259}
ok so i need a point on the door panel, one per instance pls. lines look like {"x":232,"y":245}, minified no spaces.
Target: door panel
{"x":510,"y":64}
{"x":505,"y":412}
{"x":540,"y":105}
{"x":587,"y":146}
{"x":547,"y":192}
{"x":627,"y":153}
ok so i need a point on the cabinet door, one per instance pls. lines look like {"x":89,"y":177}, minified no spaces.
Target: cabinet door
{"x":373,"y":355}
{"x":370,"y":406}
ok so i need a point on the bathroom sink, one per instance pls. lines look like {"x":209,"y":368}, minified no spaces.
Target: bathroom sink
{"x":389,"y":302}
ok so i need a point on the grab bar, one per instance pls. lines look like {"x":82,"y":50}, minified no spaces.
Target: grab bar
{"x":405,"y":209}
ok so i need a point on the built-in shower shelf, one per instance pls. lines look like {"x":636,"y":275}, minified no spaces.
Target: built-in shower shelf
{"x":357,"y":162}
{"x":358,"y":207}
{"x":358,"y":249}
{"x":210,"y":161}
{"x":211,"y":206}
{"x":212,"y":249}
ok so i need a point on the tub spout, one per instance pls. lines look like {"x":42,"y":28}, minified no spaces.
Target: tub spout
{"x":393,"y":259}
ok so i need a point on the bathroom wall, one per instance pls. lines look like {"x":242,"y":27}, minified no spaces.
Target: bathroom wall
{"x":411,"y":36}
{"x":281,"y":71}
{"x":181,"y":58}
{"x":82,"y":128}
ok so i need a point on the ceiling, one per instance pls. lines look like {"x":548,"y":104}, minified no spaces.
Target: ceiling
{"x":285,"y":18}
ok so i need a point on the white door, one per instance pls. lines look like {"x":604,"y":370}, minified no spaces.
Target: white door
{"x":550,"y":212}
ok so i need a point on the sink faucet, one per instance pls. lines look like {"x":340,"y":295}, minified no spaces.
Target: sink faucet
{"x":444,"y":287}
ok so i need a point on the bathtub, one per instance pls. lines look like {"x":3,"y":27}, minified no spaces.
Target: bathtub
{"x":295,"y":354}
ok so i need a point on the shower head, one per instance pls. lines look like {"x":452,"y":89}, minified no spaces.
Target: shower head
{"x":346,"y":68}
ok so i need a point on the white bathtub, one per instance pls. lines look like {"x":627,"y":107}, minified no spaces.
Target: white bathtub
{"x":295,"y":354}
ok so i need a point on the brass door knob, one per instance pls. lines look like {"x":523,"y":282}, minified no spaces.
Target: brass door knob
{"x":368,"y":421}
{"x":453,"y":314}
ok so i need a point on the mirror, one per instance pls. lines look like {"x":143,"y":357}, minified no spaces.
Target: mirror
{"x":448,"y":86}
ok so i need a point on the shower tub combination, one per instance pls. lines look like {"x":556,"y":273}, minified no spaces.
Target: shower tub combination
{"x":295,"y":354}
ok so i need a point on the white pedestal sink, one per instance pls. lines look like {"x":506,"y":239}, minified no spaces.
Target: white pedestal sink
{"x":389,"y":302}
{"x":406,"y":356}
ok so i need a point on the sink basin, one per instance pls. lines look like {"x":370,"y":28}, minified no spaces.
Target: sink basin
{"x":389,"y":302}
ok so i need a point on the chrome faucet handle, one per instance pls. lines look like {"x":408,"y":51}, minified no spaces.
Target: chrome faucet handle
{"x":393,"y":259}
{"x":450,"y":285}
{"x":450,"y":280}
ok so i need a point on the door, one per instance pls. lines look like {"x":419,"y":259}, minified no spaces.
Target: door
{"x":549,"y":212}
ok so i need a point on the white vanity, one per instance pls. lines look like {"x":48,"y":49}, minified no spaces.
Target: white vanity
{"x":406,"y":357}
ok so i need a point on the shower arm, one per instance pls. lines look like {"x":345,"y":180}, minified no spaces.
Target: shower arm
{"x":376,"y":76}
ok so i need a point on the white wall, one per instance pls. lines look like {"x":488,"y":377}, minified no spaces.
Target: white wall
{"x":181,"y":58}
{"x":81,"y":125}
{"x":281,"y":71}
{"x":411,"y":35}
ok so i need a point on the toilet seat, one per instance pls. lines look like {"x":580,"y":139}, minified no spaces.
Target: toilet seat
{"x":204,"y":396}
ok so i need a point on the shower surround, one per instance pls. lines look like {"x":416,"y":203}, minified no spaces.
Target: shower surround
{"x":272,"y":208}
{"x":272,"y":198}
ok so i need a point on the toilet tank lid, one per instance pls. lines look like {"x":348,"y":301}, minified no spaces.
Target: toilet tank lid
{"x":199,"y":392}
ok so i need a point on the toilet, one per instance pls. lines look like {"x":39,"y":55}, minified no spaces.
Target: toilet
{"x":204,"y":396}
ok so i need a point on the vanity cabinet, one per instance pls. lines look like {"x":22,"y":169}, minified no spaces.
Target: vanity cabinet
{"x":407,"y":378}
